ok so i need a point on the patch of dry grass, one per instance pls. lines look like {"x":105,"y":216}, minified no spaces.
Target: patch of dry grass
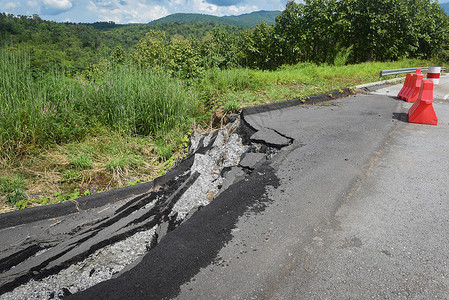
{"x":54,"y":175}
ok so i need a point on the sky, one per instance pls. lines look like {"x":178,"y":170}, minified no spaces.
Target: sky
{"x":131,"y":11}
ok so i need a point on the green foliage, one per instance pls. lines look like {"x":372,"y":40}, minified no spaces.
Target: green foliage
{"x":118,"y":56}
{"x":375,"y":30}
{"x":71,"y":176}
{"x":151,"y":50}
{"x":13,"y":189}
{"x":123,"y":161}
{"x":231,"y":106}
{"x":342,"y":57}
{"x":261,"y":49}
{"x":164,"y":150}
{"x":70,"y":196}
{"x":81,"y":161}
{"x":184,"y":60}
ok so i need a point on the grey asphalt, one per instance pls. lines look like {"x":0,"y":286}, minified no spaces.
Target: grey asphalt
{"x":354,"y":205}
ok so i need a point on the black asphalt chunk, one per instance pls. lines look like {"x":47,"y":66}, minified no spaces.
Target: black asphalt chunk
{"x":33,"y":214}
{"x":184,"y":251}
{"x":271,"y":138}
{"x":250,"y":160}
{"x":232,"y":176}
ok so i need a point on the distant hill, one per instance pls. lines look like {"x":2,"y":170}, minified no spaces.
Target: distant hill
{"x":445,"y":6}
{"x":245,"y":20}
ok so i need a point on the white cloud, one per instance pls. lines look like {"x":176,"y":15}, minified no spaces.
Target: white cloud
{"x":54,"y":7}
{"x":32,"y":4}
{"x":58,"y":4}
{"x":131,"y":11}
{"x":201,"y":6}
{"x":176,"y":2}
{"x":8,"y":5}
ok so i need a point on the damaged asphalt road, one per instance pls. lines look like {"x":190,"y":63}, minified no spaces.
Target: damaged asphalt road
{"x":242,"y":244}
{"x":285,"y":222}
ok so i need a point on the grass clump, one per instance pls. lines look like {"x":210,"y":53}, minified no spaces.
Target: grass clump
{"x":81,"y":161}
{"x":13,"y":189}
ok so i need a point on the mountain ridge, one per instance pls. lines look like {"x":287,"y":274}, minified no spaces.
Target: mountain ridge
{"x":243,"y":20}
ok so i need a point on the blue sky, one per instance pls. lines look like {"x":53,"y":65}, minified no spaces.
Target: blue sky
{"x":131,"y":11}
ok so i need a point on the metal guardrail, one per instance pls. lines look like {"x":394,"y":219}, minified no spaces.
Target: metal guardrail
{"x":405,"y":70}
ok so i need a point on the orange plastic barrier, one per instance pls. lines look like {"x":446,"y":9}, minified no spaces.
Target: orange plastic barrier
{"x":406,"y":85}
{"x":410,"y":86}
{"x":416,"y":87}
{"x":422,"y":111}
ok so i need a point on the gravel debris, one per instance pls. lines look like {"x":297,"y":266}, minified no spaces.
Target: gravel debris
{"x":226,"y":152}
{"x":98,"y":267}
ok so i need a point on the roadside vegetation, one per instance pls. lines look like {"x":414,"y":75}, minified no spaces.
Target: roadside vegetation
{"x":72,"y":127}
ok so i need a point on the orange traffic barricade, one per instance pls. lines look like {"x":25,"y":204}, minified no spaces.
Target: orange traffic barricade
{"x":422,"y":111}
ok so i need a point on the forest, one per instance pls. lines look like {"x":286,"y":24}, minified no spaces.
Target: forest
{"x":88,"y":107}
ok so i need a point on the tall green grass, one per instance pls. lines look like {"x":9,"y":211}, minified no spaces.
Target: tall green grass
{"x":56,"y":108}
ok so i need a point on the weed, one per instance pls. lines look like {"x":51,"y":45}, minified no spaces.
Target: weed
{"x":69,"y":196}
{"x":71,"y":176}
{"x":116,"y":164}
{"x":81,"y":161}
{"x":135,"y":182}
{"x":8,"y":185}
{"x":13,"y":189}
{"x":57,"y":109}
{"x":164,"y":150}
{"x":16,"y":196}
{"x":231,"y":106}
{"x":167,"y":165}
{"x":21,"y":204}
{"x":342,"y":57}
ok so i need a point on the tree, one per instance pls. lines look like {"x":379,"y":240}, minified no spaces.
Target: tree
{"x":261,"y":47}
{"x":151,"y":50}
{"x":118,"y":55}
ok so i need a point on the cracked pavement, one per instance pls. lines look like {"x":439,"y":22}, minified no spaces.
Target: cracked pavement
{"x":336,"y":201}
